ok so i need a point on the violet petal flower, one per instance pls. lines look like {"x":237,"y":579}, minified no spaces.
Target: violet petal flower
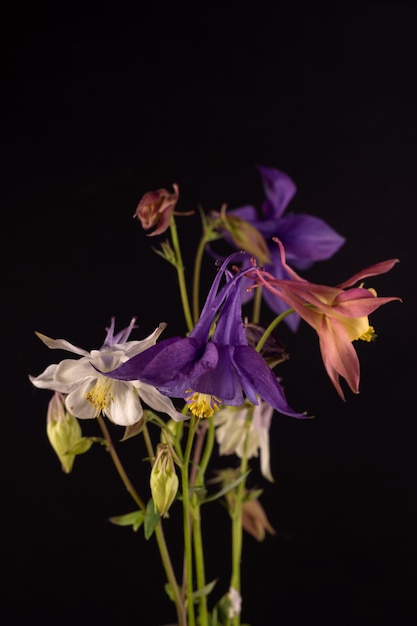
{"x":306,"y":238}
{"x":222,"y":367}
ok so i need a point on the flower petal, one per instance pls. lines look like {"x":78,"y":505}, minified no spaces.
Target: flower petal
{"x":257,"y":378}
{"x":77,"y":403}
{"x":159,"y":402}
{"x":125,"y":409}
{"x":279,"y":189}
{"x":307,"y":239}
{"x":61,"y":344}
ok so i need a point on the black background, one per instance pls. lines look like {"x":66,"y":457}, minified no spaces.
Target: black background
{"x":101,"y":103}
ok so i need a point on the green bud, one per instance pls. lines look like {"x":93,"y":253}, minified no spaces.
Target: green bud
{"x":245,"y":236}
{"x":63,"y":431}
{"x":164,"y":480}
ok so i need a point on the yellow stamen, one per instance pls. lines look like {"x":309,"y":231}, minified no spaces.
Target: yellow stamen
{"x":203,"y":404}
{"x":369,"y":335}
{"x":101,"y":394}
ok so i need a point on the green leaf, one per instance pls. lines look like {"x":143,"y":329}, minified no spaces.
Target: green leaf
{"x":151,"y":520}
{"x":170,"y":592}
{"x":204,"y":591}
{"x":84,"y":444}
{"x":253,"y":494}
{"x":227,"y":488}
{"x":134,"y":519}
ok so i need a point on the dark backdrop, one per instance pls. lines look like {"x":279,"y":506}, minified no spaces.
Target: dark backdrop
{"x":101,"y":103}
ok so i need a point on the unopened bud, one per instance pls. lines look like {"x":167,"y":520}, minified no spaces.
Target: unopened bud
{"x":63,"y":431}
{"x":155,"y":209}
{"x":245,"y":236}
{"x":255,"y":521}
{"x":164,"y":480}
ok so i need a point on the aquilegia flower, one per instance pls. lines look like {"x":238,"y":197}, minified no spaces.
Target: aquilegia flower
{"x":306,"y":238}
{"x":155,"y":209}
{"x":90,"y":393}
{"x":234,"y":436}
{"x":338,"y":314}
{"x":210,"y":370}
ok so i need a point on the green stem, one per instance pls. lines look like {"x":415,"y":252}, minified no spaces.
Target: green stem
{"x":196,"y":277}
{"x":181,"y":276}
{"x":118,"y":464}
{"x":160,"y":538}
{"x":271,"y":327}
{"x":208,"y":449}
{"x":187,"y":522}
{"x":197,"y":481}
{"x":257,"y":301}
{"x":237,"y":528}
{"x":199,"y":562}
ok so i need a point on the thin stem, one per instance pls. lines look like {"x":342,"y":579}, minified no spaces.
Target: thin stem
{"x":257,"y":302}
{"x":199,"y":561}
{"x":237,"y":528}
{"x":197,"y":480}
{"x":187,"y":522}
{"x":208,"y":449}
{"x":118,"y":464}
{"x":181,"y":276}
{"x":160,"y":538}
{"x":196,"y":277}
{"x":271,"y":327}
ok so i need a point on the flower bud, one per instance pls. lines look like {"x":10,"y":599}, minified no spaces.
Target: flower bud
{"x":155,"y":209}
{"x":164,"y":480}
{"x":63,"y":431}
{"x":255,"y":521}
{"x":245,"y":236}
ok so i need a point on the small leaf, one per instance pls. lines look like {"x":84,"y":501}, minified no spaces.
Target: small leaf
{"x":134,"y":519}
{"x":204,"y":591}
{"x":252,"y":494}
{"x":169,"y":591}
{"x":133,"y":430}
{"x":227,"y":488}
{"x":151,"y":520}
{"x":83,"y":445}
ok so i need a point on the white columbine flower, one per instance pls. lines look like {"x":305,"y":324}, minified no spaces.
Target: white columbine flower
{"x":89,"y":393}
{"x":231,"y":428}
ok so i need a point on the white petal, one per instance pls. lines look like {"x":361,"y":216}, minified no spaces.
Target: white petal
{"x":46,"y":380}
{"x":75,"y":370}
{"x":157,"y":401}
{"x":126,"y":408}
{"x":61,"y":344}
{"x":77,"y":403}
{"x":131,"y":348}
{"x":265,"y":456}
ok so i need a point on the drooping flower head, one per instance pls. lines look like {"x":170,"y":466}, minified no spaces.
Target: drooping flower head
{"x":338,"y":314}
{"x":89,"y":392}
{"x":63,"y":431}
{"x":306,"y":238}
{"x":209,"y":368}
{"x":236,"y":436}
{"x":155,"y":209}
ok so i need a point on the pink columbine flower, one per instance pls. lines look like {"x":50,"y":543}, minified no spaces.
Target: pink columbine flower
{"x":338,"y":314}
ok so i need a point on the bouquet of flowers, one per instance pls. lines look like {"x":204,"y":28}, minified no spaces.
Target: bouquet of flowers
{"x":216,"y":387}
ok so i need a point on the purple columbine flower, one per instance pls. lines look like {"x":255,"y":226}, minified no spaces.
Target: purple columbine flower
{"x":306,"y":238}
{"x":210,"y":369}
